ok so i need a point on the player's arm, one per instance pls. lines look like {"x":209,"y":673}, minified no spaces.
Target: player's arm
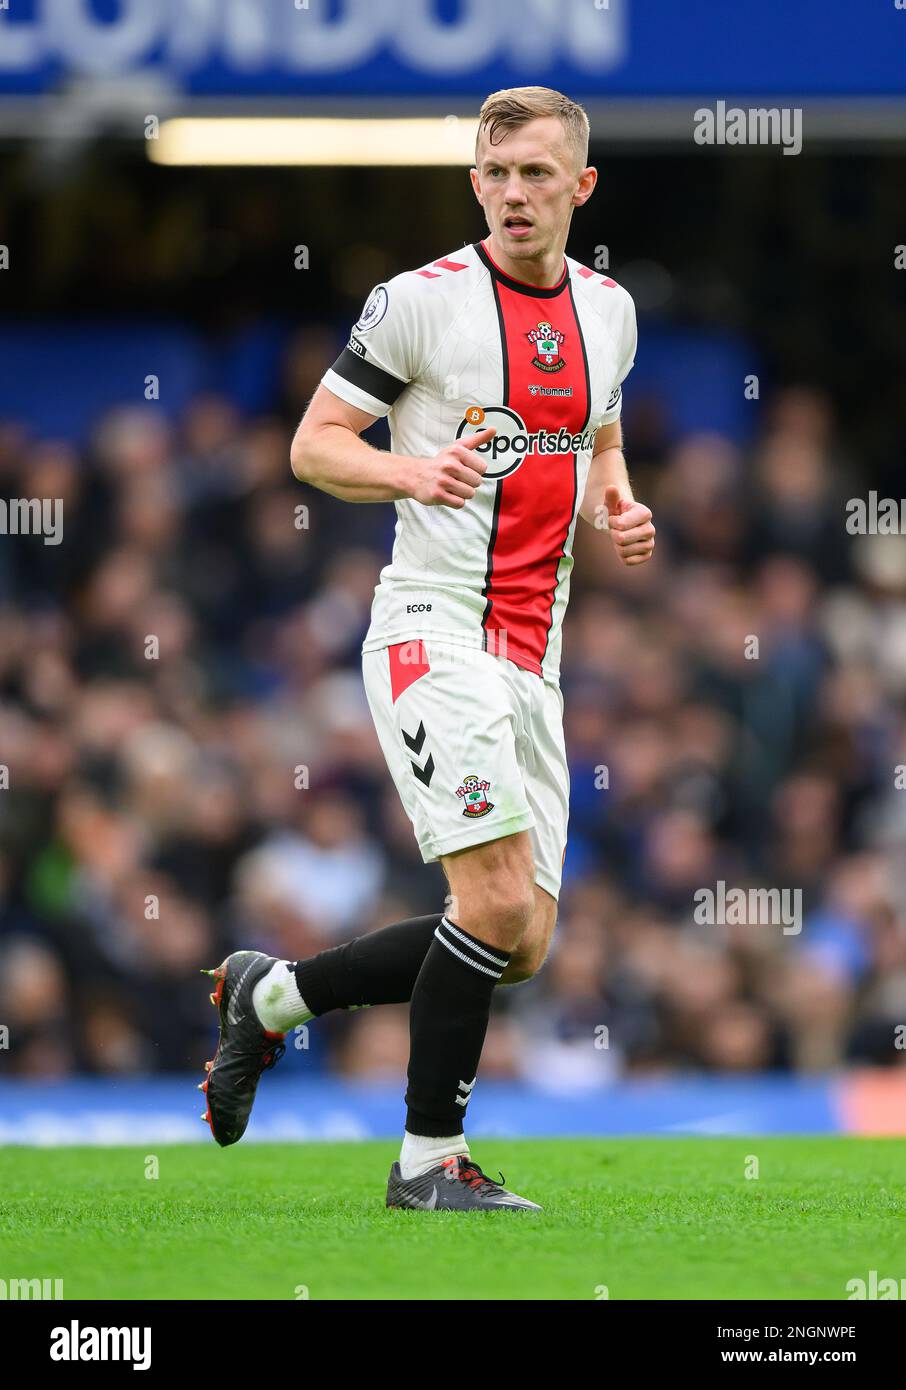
{"x":328,"y":453}
{"x":608,"y":502}
{"x":608,"y":469}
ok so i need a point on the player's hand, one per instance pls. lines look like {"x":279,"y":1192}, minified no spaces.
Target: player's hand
{"x":630,"y":526}
{"x":454,"y":475}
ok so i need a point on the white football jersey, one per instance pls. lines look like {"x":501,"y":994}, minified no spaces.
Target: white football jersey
{"x":451,"y":348}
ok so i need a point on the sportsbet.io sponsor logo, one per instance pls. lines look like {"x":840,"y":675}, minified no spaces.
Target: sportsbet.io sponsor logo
{"x":514,"y":441}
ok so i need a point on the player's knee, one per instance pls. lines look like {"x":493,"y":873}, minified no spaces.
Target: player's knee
{"x":529,"y":956}
{"x":526,"y":961}
{"x":506,"y":905}
{"x":509,"y":906}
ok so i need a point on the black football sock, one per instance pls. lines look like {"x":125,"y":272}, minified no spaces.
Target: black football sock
{"x":380,"y":968}
{"x":448,"y":1019}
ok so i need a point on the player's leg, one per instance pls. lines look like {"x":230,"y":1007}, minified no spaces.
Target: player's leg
{"x":378,"y":968}
{"x":546,"y":782}
{"x":450,"y":726}
{"x":260,"y":999}
{"x":494,"y":896}
{"x":495,"y":888}
{"x":531,"y":953}
{"x":266,"y":1001}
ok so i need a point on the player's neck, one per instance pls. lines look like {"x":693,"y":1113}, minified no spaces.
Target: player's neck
{"x":544,"y":273}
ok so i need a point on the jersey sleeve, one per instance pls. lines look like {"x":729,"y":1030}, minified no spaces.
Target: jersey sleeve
{"x":385,"y":349}
{"x":628,"y":343}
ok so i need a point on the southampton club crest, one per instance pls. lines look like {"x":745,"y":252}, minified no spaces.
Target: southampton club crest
{"x":473,"y":792}
{"x":546,"y":340}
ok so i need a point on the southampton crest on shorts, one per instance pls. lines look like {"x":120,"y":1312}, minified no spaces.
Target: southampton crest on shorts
{"x":473,"y":791}
{"x":546,"y":340}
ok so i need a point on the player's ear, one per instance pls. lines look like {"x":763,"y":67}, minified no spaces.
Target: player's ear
{"x":476,"y":184}
{"x":585,"y":185}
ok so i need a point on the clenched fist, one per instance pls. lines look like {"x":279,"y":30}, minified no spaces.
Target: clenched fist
{"x":453,"y":476}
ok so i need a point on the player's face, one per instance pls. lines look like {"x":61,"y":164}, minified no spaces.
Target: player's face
{"x":528,"y":185}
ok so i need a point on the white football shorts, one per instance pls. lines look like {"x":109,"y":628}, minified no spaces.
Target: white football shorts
{"x":475,"y":747}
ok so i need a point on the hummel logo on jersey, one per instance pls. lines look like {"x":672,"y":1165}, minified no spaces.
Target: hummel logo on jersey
{"x":415,"y":742}
{"x":547,"y":342}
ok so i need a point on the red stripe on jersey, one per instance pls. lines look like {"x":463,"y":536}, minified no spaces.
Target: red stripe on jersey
{"x":536,"y":504}
{"x":408,"y":661}
{"x":428,"y":274}
{"x":446,"y":264}
{"x":605,"y":279}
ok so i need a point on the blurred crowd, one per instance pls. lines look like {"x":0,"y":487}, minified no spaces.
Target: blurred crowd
{"x":192,"y":766}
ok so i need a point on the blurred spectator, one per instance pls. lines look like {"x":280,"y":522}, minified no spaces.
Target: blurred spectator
{"x":192,"y":767}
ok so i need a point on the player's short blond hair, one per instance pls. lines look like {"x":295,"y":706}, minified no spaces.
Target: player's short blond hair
{"x":505,"y":111}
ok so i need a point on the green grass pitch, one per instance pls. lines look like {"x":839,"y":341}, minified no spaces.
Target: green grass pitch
{"x":641,"y":1218}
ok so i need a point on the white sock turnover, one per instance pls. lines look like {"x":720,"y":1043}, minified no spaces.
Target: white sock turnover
{"x":277,"y":1001}
{"x":420,"y":1152}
